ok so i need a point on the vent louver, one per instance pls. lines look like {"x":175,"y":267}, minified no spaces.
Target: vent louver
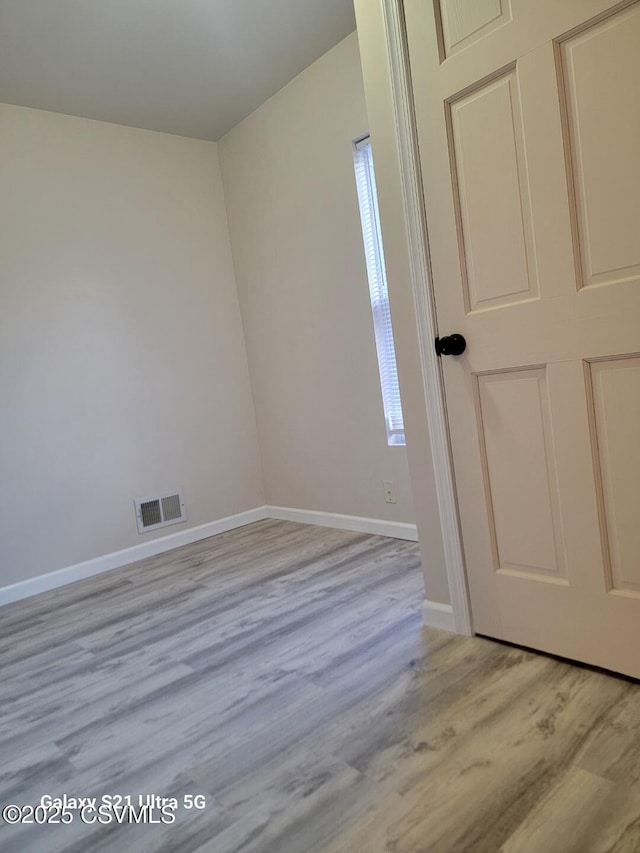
{"x":160,"y":511}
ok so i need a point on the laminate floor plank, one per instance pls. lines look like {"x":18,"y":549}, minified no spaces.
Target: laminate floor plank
{"x":592,"y":811}
{"x":283,"y":673}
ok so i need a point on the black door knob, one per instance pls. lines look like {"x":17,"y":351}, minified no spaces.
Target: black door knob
{"x":451,"y":345}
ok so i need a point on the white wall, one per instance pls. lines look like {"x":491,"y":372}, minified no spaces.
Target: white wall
{"x":122,"y":362}
{"x":301,"y":277}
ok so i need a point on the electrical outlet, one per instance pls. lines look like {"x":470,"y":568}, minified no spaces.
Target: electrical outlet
{"x":389,"y":491}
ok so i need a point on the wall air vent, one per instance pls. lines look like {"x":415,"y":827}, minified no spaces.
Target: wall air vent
{"x":160,"y":511}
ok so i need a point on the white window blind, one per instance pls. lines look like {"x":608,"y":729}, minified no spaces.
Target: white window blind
{"x":368,"y":200}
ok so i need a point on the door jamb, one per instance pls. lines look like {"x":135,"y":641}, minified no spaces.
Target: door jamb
{"x":424,"y":306}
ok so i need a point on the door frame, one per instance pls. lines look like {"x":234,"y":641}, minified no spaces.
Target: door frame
{"x":425,"y":311}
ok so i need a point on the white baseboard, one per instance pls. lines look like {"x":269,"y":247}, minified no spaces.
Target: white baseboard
{"x":438,"y":615}
{"x":80,"y":571}
{"x":376,"y":526}
{"x":117,"y":559}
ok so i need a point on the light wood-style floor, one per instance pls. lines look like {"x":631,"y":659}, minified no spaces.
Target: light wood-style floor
{"x":283,"y":671}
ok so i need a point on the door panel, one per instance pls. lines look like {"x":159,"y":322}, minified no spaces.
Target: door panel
{"x":528,"y":125}
{"x":462,"y":23}
{"x":599,"y":73}
{"x":491,"y":193}
{"x":616,"y":391}
{"x":515,"y":430}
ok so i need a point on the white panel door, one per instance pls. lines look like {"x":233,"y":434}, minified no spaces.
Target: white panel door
{"x":528,"y":120}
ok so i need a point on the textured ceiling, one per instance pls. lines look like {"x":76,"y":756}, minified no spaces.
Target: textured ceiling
{"x":191,"y":67}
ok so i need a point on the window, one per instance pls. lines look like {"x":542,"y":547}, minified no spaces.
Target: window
{"x":368,"y":200}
